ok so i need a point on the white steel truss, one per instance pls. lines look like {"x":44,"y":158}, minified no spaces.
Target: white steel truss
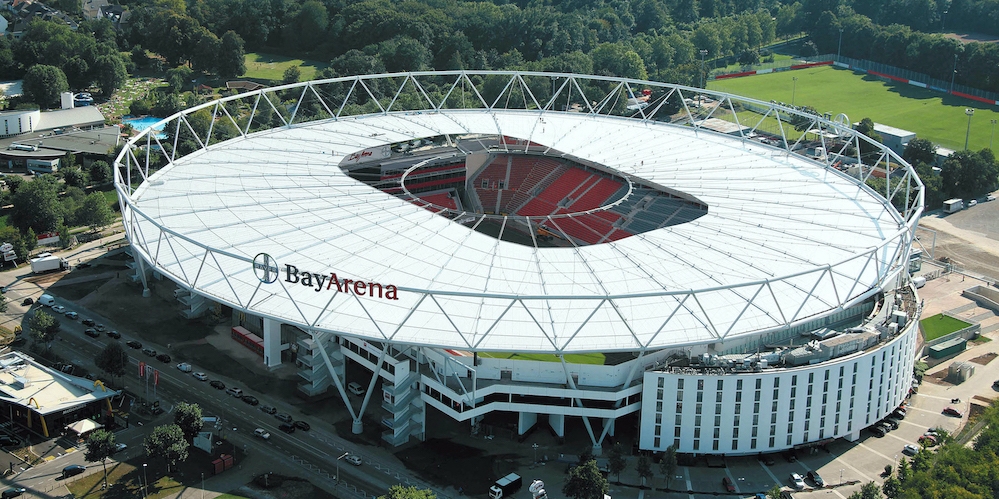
{"x":602,"y":314}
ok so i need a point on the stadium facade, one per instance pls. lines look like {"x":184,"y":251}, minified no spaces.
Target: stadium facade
{"x":560,"y":247}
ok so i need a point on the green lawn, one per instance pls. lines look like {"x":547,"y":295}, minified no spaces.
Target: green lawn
{"x":736,"y":67}
{"x":931,"y":115}
{"x":939,"y":325}
{"x":271,"y":67}
{"x":574,"y":358}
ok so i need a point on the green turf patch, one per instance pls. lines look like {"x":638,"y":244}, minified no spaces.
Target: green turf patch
{"x":940,"y":325}
{"x":572,"y":358}
{"x":931,"y":115}
{"x":271,"y":67}
{"x":3,"y":220}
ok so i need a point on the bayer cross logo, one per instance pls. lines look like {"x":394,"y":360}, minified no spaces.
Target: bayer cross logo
{"x":265,"y":268}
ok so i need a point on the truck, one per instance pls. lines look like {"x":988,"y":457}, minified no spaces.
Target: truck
{"x":47,"y":262}
{"x":505,"y":486}
{"x":953,"y":205}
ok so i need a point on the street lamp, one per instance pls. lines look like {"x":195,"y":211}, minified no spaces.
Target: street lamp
{"x":144,"y":480}
{"x":202,"y":485}
{"x":953,"y":75}
{"x":993,"y":133}
{"x":701,"y":94}
{"x":345,"y":454}
{"x":794,"y":87}
{"x":840,"y":46}
{"x":970,"y":112}
{"x":943,"y":21}
{"x":535,"y":446}
{"x":841,"y":476}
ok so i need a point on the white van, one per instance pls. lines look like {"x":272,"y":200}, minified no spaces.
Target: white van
{"x":235,"y":392}
{"x":46,"y":300}
{"x":919,"y":281}
{"x":355,"y":388}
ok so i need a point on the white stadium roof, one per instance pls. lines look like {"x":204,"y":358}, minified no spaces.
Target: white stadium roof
{"x":785,"y":238}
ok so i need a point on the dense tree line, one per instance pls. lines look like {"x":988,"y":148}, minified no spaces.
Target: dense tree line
{"x":972,"y":15}
{"x":903,"y":46}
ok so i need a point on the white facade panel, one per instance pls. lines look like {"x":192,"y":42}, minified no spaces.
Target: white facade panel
{"x":777,"y":409}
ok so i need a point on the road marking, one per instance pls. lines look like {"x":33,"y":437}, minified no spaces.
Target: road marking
{"x":734,"y":482}
{"x":848,"y":465}
{"x":767,"y":469}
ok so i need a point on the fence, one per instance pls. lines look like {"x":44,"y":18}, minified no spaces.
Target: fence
{"x":870,"y":67}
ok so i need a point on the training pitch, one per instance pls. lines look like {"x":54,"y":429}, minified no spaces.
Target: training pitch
{"x":931,"y":115}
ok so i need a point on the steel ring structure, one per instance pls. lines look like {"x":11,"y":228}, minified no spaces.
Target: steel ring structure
{"x":477,"y":233}
{"x":785,"y":237}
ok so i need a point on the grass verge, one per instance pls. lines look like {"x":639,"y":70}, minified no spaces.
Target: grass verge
{"x":940,"y":325}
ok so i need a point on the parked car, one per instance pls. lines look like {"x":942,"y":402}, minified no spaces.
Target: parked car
{"x":135,"y":345}
{"x":284,"y":417}
{"x":72,"y":470}
{"x":27,"y":301}
{"x":250,"y":399}
{"x":216,"y":384}
{"x":268,"y":409}
{"x":816,"y":479}
{"x":950,"y":411}
{"x":184,"y":367}
{"x":878,"y":431}
{"x":59,"y":309}
{"x":234,"y":392}
{"x":891,"y":423}
{"x":91,"y":332}
{"x":910,"y":449}
{"x":352,"y":459}
{"x":767,"y":459}
{"x":302,"y":425}
{"x":120,"y":447}
{"x":164,"y":358}
{"x":790,"y":456}
{"x":261,"y":433}
{"x":100,"y":327}
{"x":114,"y":334}
{"x":995,"y":384}
{"x":89,"y":322}
{"x":727,"y":482}
{"x":287,"y":428}
{"x":149,"y":351}
{"x":355,"y":388}
{"x":200,"y":376}
{"x":71,"y":315}
{"x":797,"y":481}
{"x":785,"y":494}
{"x":12,"y":492}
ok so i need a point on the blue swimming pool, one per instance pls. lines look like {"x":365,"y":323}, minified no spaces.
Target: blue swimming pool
{"x":140,"y":124}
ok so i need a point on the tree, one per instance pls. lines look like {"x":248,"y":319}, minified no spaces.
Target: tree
{"x":75,"y":177}
{"x":231,"y":58}
{"x":870,"y":490}
{"x":969,"y":174}
{"x":904,"y":470}
{"x":410,"y":492}
{"x":920,"y":151}
{"x":892,"y":487}
{"x":36,"y":205}
{"x":112,"y":359}
{"x":3,"y":304}
{"x":188,"y":418}
{"x":644,"y":468}
{"x":291,"y":75}
{"x":616,"y":460}
{"x":585,"y":482}
{"x":773,"y":492}
{"x":95,"y":212}
{"x":43,"y":84}
{"x":167,"y":441}
{"x":100,"y":446}
{"x":100,"y":171}
{"x":868,"y":148}
{"x":43,"y":326}
{"x":110,"y":73}
{"x":667,"y":465}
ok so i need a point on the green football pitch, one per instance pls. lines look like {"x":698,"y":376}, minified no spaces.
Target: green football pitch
{"x":931,"y":115}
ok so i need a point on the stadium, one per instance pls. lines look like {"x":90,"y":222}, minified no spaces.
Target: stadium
{"x":570,"y":250}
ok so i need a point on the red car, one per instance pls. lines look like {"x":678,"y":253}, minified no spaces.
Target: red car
{"x":950,"y":411}
{"x":729,"y":486}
